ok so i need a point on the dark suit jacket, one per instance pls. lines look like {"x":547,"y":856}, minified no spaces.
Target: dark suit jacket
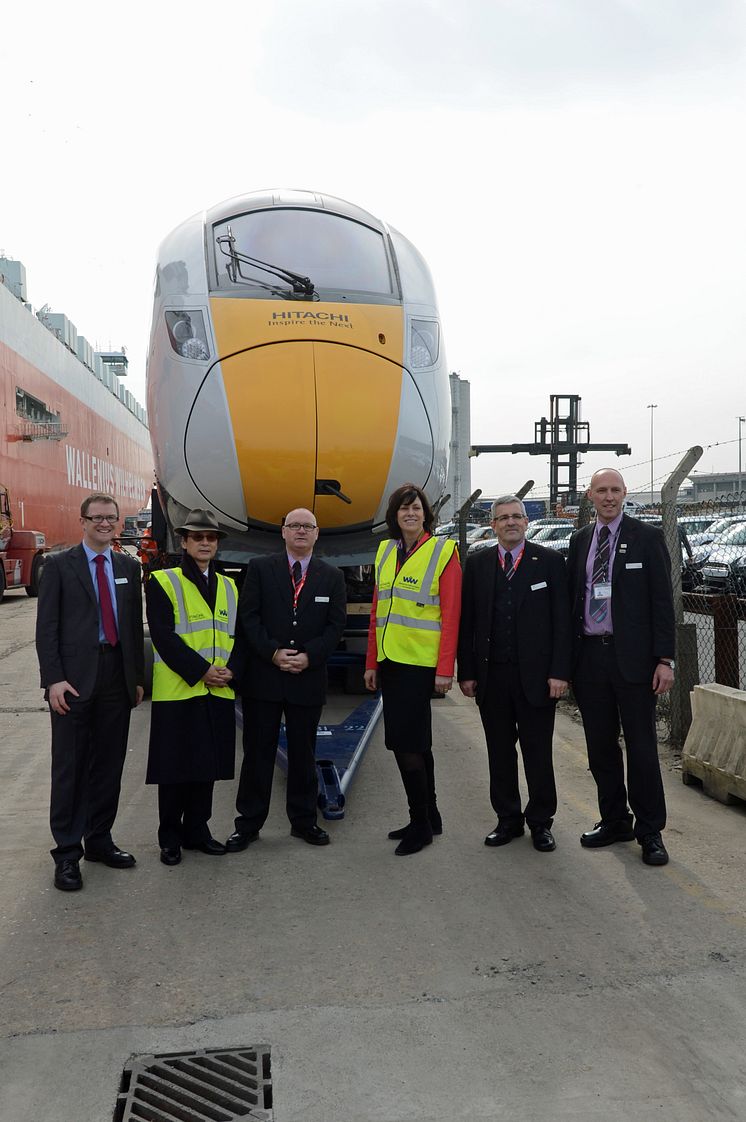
{"x":542,"y":623}
{"x":642,"y":610}
{"x":265,"y":612}
{"x":67,"y":622}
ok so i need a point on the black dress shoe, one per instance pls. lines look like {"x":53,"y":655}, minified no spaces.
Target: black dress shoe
{"x":114,"y":858}
{"x":67,"y":876}
{"x":237,"y":842}
{"x":314,"y":835}
{"x":416,"y":838}
{"x":606,"y":833}
{"x":542,"y":838}
{"x":212,"y":847}
{"x":171,"y":855}
{"x":654,"y":851}
{"x":436,"y":825}
{"x":501,"y":835}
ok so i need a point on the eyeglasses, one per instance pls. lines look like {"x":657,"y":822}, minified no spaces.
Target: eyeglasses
{"x":207,"y":537}
{"x":98,"y":519}
{"x":300,"y":526}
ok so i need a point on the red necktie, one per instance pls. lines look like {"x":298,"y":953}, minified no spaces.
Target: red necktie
{"x":108,"y":619}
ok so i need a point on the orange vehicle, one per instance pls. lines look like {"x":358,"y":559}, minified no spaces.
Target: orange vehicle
{"x":21,"y":552}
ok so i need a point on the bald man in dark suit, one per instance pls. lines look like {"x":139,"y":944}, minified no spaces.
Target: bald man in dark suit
{"x":292,"y":613}
{"x":623,"y":659}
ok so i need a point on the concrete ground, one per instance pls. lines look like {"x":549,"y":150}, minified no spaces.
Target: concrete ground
{"x":460,"y":983}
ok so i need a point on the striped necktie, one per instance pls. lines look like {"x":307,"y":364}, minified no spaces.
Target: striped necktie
{"x":508,"y":568}
{"x":297,"y":573}
{"x":599,"y":609}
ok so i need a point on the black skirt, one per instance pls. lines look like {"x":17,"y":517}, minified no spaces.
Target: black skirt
{"x":407,"y":691}
{"x":192,"y":741}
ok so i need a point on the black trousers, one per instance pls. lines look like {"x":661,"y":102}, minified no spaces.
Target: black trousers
{"x":606,"y":700}
{"x":89,"y":745}
{"x":184,"y":809}
{"x":261,"y":730}
{"x":508,"y":718}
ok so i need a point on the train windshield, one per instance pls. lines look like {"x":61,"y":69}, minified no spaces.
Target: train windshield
{"x":335,"y":253}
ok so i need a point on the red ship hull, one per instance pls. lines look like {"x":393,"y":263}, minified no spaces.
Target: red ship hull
{"x":99,"y":444}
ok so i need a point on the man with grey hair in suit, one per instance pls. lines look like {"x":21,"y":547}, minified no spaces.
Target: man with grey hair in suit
{"x":89,"y":640}
{"x":514,"y":658}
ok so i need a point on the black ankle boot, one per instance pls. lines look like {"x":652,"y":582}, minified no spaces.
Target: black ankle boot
{"x":417,"y":836}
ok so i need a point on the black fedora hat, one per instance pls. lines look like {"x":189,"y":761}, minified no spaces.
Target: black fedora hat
{"x":199,"y":519}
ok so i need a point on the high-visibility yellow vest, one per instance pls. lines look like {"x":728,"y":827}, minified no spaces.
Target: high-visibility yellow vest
{"x":408,"y":609}
{"x":210,"y":635}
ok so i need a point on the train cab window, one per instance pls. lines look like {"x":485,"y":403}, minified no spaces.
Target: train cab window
{"x":424,"y":342}
{"x":335,"y":253}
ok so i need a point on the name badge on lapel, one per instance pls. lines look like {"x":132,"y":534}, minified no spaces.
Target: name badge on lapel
{"x":121,"y":580}
{"x":321,"y":599}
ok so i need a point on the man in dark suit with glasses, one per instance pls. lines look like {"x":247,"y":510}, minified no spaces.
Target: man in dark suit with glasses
{"x":89,"y":641}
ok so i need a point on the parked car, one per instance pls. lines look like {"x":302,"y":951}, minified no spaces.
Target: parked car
{"x":541,"y":523}
{"x":702,"y":550}
{"x":725,"y":568}
{"x":555,"y":537}
{"x":717,"y":527}
{"x":450,"y":529}
{"x":479,"y":534}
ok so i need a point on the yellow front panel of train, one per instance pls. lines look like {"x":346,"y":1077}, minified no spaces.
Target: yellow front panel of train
{"x":272,"y":403}
{"x":314,"y":392}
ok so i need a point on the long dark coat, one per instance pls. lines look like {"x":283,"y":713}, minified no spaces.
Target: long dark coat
{"x":191,"y":741}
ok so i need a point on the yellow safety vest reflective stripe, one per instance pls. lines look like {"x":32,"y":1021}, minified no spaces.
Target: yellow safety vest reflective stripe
{"x":408,"y":609}
{"x":210,"y":635}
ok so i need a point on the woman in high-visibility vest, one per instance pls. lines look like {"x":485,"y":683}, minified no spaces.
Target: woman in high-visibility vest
{"x":412,"y":648}
{"x":191,"y":612}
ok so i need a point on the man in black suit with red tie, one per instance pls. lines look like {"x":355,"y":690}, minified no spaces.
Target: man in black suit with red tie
{"x":292,"y":613}
{"x":514,"y":658}
{"x":89,"y":640}
{"x":624,"y":636}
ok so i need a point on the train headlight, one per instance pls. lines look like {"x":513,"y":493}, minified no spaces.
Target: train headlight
{"x":186,"y":330}
{"x":424,"y":342}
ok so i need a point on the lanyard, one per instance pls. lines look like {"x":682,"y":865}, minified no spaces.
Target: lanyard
{"x":516,"y":560}
{"x":297,"y":588}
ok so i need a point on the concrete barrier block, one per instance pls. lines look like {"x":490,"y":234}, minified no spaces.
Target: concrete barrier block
{"x":715,"y":750}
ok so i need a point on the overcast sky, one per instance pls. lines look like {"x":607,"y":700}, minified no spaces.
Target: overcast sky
{"x":573,"y":171}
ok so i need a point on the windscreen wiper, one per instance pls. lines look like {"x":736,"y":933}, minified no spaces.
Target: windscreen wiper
{"x":301,"y":286}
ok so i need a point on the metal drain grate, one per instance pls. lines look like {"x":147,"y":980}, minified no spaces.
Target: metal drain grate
{"x":210,"y":1085}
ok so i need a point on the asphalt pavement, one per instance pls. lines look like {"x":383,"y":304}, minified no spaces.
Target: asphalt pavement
{"x":459,"y":983}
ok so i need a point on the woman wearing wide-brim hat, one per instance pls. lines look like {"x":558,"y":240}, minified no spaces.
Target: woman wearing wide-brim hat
{"x":191,"y":612}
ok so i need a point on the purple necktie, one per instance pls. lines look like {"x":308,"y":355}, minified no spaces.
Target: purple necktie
{"x":599,"y":609}
{"x":108,"y":619}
